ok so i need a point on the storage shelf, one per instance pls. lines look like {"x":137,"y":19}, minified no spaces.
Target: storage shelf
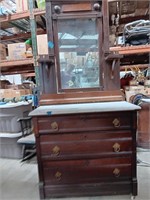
{"x":21,"y":15}
{"x":12,"y":63}
{"x":7,"y":39}
{"x":16,"y":16}
{"x":131,"y":49}
{"x":138,"y":66}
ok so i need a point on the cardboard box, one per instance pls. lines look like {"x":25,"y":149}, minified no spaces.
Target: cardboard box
{"x":133,"y":90}
{"x":15,"y":87}
{"x":2,"y":52}
{"x":6,"y":93}
{"x":129,"y":94}
{"x":10,"y":93}
{"x":29,"y":53}
{"x":21,"y":5}
{"x":4,"y":84}
{"x":147,"y":89}
{"x":42,"y":44}
{"x":16,"y":51}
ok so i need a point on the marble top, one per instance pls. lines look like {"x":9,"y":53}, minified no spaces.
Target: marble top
{"x":83,"y":108}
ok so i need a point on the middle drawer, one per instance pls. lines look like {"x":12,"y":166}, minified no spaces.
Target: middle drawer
{"x":82,"y":145}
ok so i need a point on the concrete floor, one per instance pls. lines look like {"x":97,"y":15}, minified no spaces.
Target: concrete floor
{"x":20,"y":181}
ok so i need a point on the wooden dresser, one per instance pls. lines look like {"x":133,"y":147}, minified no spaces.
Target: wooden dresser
{"x":86,"y":149}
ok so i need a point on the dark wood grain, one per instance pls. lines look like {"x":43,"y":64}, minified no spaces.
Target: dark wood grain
{"x":81,"y":152}
{"x":84,"y":154}
{"x":84,"y":122}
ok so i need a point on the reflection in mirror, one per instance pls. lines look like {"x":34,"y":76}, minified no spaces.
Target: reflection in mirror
{"x":78,"y":53}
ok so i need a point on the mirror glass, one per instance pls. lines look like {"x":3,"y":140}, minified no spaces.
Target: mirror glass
{"x":78,"y":43}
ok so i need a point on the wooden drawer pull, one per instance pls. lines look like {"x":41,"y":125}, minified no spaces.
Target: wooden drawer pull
{"x":56,"y":151}
{"x":54,"y":126}
{"x":58,"y":175}
{"x":116,"y":123}
{"x":116,"y":172}
{"x":116,"y":147}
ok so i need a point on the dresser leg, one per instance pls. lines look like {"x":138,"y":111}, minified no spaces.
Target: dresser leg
{"x":134,"y":187}
{"x":133,"y":197}
{"x":41,"y":191}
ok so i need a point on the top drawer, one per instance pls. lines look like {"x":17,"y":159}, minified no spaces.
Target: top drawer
{"x":85,"y":122}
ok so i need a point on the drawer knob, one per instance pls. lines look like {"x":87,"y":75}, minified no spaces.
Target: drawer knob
{"x":56,"y":150}
{"x":58,"y":175}
{"x":54,"y":126}
{"x":116,"y":123}
{"x":116,"y":172}
{"x":116,"y":147}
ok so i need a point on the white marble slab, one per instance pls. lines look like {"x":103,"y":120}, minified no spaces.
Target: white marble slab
{"x":84,"y":108}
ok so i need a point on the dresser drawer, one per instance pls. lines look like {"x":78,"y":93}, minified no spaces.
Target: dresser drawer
{"x":85,"y":145}
{"x":87,"y":171}
{"x":85,"y":122}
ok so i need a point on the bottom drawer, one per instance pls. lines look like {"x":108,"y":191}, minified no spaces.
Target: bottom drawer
{"x":87,"y":171}
{"x":80,"y":190}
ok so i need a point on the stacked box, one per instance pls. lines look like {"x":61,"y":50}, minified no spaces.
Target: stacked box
{"x":11,"y":93}
{"x":42,"y":44}
{"x":16,"y":51}
{"x":2,"y":52}
{"x":21,"y":5}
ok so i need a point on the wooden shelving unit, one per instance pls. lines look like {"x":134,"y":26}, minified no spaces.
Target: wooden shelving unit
{"x":6,"y":22}
{"x":12,"y":63}
{"x":21,"y":66}
{"x":132,"y":50}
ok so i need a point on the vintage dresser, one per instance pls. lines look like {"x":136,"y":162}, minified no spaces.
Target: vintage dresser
{"x":86,"y":149}
{"x":85,"y":131}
